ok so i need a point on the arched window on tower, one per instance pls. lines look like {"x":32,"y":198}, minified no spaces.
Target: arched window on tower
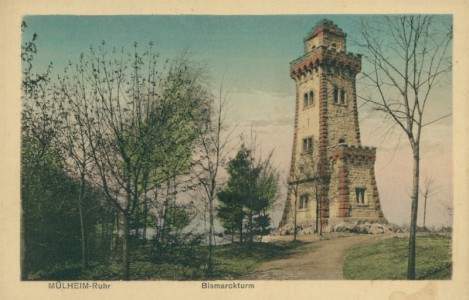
{"x":308,"y":99}
{"x":311,"y":98}
{"x":342,"y":96}
{"x":336,"y":95}
{"x":307,"y":145}
{"x":360,"y":195}
{"x":303,"y":203}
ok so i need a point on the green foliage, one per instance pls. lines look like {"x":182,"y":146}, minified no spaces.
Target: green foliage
{"x":251,"y":190}
{"x":230,"y":261}
{"x":115,"y":129}
{"x":230,"y":212}
{"x":136,"y":119}
{"x":178,"y":218}
{"x":238,"y":192}
{"x":50,"y":217}
{"x":68,"y":270}
{"x":262,"y":223}
{"x":388,"y":259}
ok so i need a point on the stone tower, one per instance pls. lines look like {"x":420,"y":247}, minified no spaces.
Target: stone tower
{"x":332,"y":174}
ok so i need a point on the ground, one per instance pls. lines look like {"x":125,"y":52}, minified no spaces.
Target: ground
{"x":326,"y":254}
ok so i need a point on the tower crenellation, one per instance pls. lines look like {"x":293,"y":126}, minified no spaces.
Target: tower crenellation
{"x":326,"y":34}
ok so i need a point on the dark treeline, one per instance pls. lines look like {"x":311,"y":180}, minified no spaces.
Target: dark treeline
{"x":114,"y":148}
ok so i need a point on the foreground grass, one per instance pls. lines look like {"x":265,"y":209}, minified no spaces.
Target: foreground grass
{"x":229,"y":261}
{"x":232,"y":261}
{"x":388,"y":259}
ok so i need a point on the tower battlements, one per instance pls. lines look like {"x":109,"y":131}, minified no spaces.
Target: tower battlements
{"x":322,"y":56}
{"x":324,"y":26}
{"x":325,"y":44}
{"x":325,"y":33}
{"x":353,"y":153}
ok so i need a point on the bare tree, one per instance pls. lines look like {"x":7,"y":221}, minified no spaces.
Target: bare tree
{"x":427,"y":191}
{"x":136,"y":122}
{"x":214,"y":137}
{"x":75,"y":112}
{"x":269,"y":194}
{"x":110,"y":126}
{"x":408,"y":57}
{"x":306,"y":180}
{"x":263,"y":189}
{"x":294,"y":184}
{"x":40,"y":127}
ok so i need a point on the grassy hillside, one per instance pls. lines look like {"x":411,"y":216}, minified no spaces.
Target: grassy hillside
{"x":388,"y":259}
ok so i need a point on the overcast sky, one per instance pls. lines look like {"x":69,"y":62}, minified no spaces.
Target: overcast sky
{"x":251,"y":55}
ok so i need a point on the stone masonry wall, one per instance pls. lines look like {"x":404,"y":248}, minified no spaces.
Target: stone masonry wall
{"x":352,"y":168}
{"x":341,"y":117}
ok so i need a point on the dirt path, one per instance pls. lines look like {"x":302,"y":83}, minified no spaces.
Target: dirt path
{"x":316,"y":259}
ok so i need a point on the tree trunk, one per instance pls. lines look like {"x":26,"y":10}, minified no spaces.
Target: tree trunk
{"x":250,"y":226}
{"x":23,"y":238}
{"x":210,"y":236}
{"x":241,"y":232}
{"x":24,"y":250}
{"x":214,"y":240}
{"x":103,"y":238}
{"x":145,"y":216}
{"x":316,"y":230}
{"x":126,"y":248}
{"x":319,"y":216}
{"x":295,"y":231}
{"x":413,"y":216}
{"x":424,"y":210}
{"x":137,"y":222}
{"x":23,"y":247}
{"x":84,"y":254}
{"x":115,"y":231}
